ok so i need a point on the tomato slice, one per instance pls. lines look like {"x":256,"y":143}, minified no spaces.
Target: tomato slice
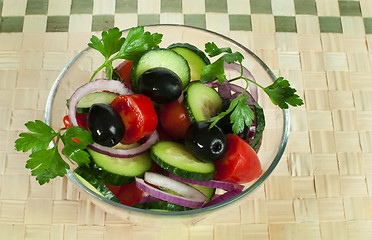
{"x":124,"y":69}
{"x":240,"y":163}
{"x":138,"y":114}
{"x":128,"y":194}
{"x":81,"y":119}
{"x":174,"y":119}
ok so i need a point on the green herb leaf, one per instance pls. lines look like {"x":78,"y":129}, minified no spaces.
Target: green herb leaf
{"x":216,"y":69}
{"x":212,"y":50}
{"x":242,"y":115}
{"x":38,"y":140}
{"x":137,"y":43}
{"x":221,"y":115}
{"x":212,"y":71}
{"x":76,"y":150}
{"x":46,"y":165}
{"x":131,"y":48}
{"x":110,"y":44}
{"x":282,"y":94}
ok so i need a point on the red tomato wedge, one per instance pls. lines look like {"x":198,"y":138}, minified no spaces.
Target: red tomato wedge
{"x":128,"y":194}
{"x":81,"y":120}
{"x":138,"y":114}
{"x":173,"y":119}
{"x":124,"y":69}
{"x":240,"y":163}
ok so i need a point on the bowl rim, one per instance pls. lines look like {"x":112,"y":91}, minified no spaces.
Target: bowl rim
{"x":259,"y":181}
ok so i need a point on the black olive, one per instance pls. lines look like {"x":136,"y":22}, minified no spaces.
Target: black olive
{"x":225,"y":123}
{"x":204,"y":143}
{"x":161,"y":85}
{"x":105,"y":124}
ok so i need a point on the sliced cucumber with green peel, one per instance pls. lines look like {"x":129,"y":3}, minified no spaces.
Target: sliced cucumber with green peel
{"x":110,"y":178}
{"x":85,"y":176}
{"x":164,"y":58}
{"x":201,"y":102}
{"x":194,"y":57}
{"x":161,"y":206}
{"x":129,"y":167}
{"x":175,"y":158}
{"x":97,"y":97}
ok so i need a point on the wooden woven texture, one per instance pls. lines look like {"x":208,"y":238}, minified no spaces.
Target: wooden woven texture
{"x":322,"y":187}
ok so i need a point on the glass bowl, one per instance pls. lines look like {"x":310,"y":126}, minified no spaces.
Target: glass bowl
{"x":80,"y":68}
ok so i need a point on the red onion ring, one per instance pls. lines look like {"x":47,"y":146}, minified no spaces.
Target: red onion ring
{"x":212,"y":183}
{"x":126,"y":153}
{"x":190,"y":197}
{"x":247,"y":74}
{"x":224,"y":197}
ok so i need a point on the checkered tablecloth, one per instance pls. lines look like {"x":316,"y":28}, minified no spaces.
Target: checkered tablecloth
{"x":322,"y":187}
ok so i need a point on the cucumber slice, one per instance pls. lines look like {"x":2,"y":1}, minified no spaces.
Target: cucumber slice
{"x":201,"y":102}
{"x":194,"y":57}
{"x":97,"y":97}
{"x":260,"y":126}
{"x":109,"y":178}
{"x":165,"y":58}
{"x":161,"y":206}
{"x":129,"y":167}
{"x":175,"y":158}
{"x":85,"y":176}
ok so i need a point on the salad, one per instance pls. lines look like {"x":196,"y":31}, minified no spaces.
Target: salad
{"x":164,"y":130}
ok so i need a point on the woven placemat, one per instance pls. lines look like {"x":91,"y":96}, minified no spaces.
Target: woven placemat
{"x":322,"y":187}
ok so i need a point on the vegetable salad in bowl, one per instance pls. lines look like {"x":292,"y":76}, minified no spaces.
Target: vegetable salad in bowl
{"x":152,"y":121}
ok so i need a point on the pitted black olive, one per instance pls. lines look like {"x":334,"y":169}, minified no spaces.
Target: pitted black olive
{"x":204,"y":143}
{"x":105,"y":125}
{"x":161,"y":85}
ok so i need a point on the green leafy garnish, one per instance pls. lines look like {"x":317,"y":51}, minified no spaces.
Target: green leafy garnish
{"x":131,"y":48}
{"x":216,"y":69}
{"x":110,"y":44}
{"x":280,"y":92}
{"x":46,"y":163}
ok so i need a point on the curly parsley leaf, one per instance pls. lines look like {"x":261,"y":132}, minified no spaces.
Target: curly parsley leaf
{"x":241,"y":116}
{"x":45,"y":163}
{"x":76,"y":150}
{"x":131,"y":48}
{"x":282,"y":94}
{"x":212,"y":50}
{"x":217,"y":69}
{"x":137,"y":43}
{"x":110,"y":44}
{"x":36,"y":141}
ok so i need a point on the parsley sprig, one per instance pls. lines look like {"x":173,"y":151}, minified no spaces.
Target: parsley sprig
{"x":113,"y":46}
{"x":46,"y":163}
{"x":280,"y":92}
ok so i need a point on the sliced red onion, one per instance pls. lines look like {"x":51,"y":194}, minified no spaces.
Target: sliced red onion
{"x":126,"y":153}
{"x":238,"y":90}
{"x":149,"y":198}
{"x":247,"y":74}
{"x":189,"y":196}
{"x":94,"y":86}
{"x":224,"y":197}
{"x":212,"y":183}
{"x":224,"y":89}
